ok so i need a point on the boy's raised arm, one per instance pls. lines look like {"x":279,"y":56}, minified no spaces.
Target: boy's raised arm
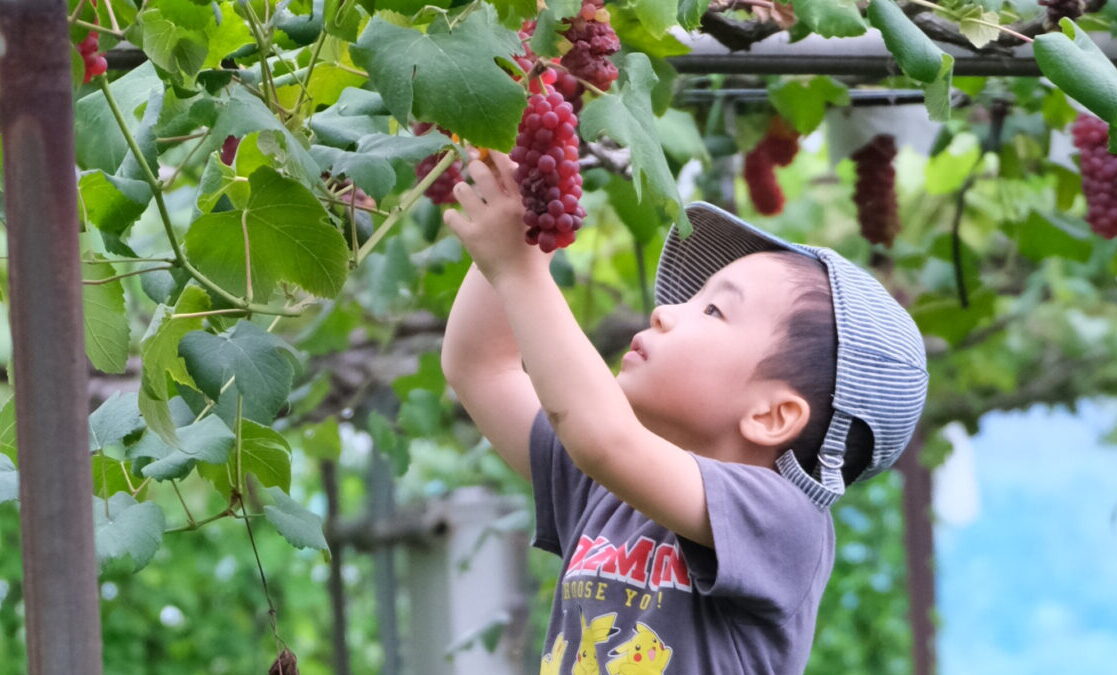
{"x":482,"y":364}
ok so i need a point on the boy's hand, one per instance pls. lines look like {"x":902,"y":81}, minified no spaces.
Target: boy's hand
{"x":492,"y":225}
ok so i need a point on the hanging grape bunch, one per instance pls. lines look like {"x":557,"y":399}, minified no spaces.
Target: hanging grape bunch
{"x":441,"y":191}
{"x":592,"y":41}
{"x":875,"y":190}
{"x":1099,"y":173}
{"x":89,"y":48}
{"x":778,"y":148}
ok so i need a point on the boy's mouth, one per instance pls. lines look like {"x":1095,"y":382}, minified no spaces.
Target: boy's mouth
{"x":638,"y":347}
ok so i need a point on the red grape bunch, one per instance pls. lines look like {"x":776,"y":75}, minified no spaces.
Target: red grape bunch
{"x":95,"y":63}
{"x":441,"y":190}
{"x":548,"y":175}
{"x":875,"y":190}
{"x":1057,"y":9}
{"x":593,"y":41}
{"x":778,"y":148}
{"x":1099,"y":173}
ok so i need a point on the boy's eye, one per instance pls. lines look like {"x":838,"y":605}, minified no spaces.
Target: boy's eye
{"x":712,"y":310}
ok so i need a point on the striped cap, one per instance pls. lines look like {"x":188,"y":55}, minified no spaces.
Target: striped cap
{"x":882,"y":366}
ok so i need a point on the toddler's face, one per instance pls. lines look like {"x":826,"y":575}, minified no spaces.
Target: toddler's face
{"x":692,"y":370}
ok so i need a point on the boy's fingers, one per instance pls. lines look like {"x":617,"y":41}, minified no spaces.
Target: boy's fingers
{"x":468,"y":198}
{"x":485,"y":181}
{"x":507,"y":169}
{"x":454,"y":220}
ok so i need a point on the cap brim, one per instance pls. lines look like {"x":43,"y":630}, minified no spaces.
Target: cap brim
{"x":718,"y":238}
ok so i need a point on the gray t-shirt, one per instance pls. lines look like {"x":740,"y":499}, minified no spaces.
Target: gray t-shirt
{"x":636,"y":599}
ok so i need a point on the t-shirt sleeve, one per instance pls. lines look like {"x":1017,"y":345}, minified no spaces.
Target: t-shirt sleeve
{"x":770,"y":541}
{"x":561,"y":489}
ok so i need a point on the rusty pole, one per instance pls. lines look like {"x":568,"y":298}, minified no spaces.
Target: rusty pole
{"x":56,"y":517}
{"x":919,"y":541}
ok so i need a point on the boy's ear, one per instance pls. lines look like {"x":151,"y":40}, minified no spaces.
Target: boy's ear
{"x":776,"y":420}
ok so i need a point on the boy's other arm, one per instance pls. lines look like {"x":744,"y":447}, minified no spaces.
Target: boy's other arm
{"x":482,"y":364}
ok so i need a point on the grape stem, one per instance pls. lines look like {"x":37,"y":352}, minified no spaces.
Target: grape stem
{"x":157,"y":191}
{"x":98,"y":28}
{"x":305,"y":83}
{"x":116,"y":277}
{"x":408,"y":200}
{"x":954,"y":16}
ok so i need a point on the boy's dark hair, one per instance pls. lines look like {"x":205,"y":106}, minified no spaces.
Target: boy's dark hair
{"x":807,"y":360}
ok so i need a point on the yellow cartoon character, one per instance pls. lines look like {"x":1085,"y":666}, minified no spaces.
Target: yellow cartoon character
{"x":553,"y":660}
{"x":644,"y":654}
{"x":596,"y":631}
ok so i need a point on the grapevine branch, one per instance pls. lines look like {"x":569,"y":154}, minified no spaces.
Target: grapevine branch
{"x":157,"y":191}
{"x":408,"y":200}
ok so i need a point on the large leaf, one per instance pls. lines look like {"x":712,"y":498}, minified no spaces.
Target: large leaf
{"x":113,"y":475}
{"x":264,"y":453}
{"x":126,"y":529}
{"x":289,"y":237}
{"x":627,"y":118}
{"x":371,"y":166}
{"x":111,"y":203}
{"x":299,"y":527}
{"x":254,"y":357}
{"x":159,"y":351}
{"x":634,"y":34}
{"x":448,"y":77}
{"x":1077,"y":66}
{"x":243,"y":114}
{"x":113,"y":420}
{"x":356,"y":114}
{"x":803,"y":102}
{"x":8,"y":429}
{"x":106,"y":322}
{"x":97,"y":138}
{"x":207,"y":440}
{"x":918,"y":56}
{"x":1041,"y":237}
{"x":657,"y":15}
{"x":830,"y":18}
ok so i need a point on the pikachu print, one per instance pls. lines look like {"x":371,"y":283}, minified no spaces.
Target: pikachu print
{"x":552,"y":660}
{"x":643,"y":654}
{"x":595,"y":632}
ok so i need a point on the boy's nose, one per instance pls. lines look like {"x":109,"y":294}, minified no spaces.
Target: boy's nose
{"x":663,"y":317}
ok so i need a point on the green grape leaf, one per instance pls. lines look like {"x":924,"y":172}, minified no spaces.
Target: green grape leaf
{"x":207,"y":440}
{"x":112,"y":475}
{"x":634,"y":34}
{"x":116,"y":418}
{"x":448,"y":77}
{"x":106,"y":322}
{"x":144,"y":135}
{"x":657,"y":15}
{"x":8,"y":429}
{"x":918,"y":56}
{"x":175,"y":48}
{"x":937,"y":93}
{"x":241,"y":114}
{"x":126,"y":529}
{"x":225,"y":36}
{"x":640,"y":217}
{"x":159,"y":354}
{"x":390,"y":276}
{"x":428,"y":376}
{"x":803,"y":102}
{"x":942,"y":315}
{"x":264,"y":453}
{"x":1077,"y":66}
{"x":973,"y":22}
{"x":9,"y":480}
{"x":690,"y":13}
{"x":260,"y":362}
{"x":342,"y":19}
{"x":300,"y":527}
{"x":111,"y":203}
{"x":356,"y":114}
{"x":830,"y":18}
{"x":324,"y":88}
{"x":627,"y":118}
{"x":371,"y":166}
{"x":289,"y":239}
{"x":218,"y":180}
{"x":420,"y":414}
{"x":98,"y":142}
{"x":512,"y":13}
{"x":1042,"y":236}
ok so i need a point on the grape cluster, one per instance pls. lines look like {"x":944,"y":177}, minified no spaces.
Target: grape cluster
{"x":875,"y":190}
{"x":778,"y":148}
{"x":1057,"y":9}
{"x":548,"y":175}
{"x":1099,"y":173}
{"x":441,"y":191}
{"x":95,"y":63}
{"x":593,"y":41}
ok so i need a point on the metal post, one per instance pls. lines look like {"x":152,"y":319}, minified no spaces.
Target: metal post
{"x":919,"y":540}
{"x":56,"y":484}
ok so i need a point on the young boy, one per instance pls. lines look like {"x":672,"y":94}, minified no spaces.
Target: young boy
{"x":688,"y":495}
